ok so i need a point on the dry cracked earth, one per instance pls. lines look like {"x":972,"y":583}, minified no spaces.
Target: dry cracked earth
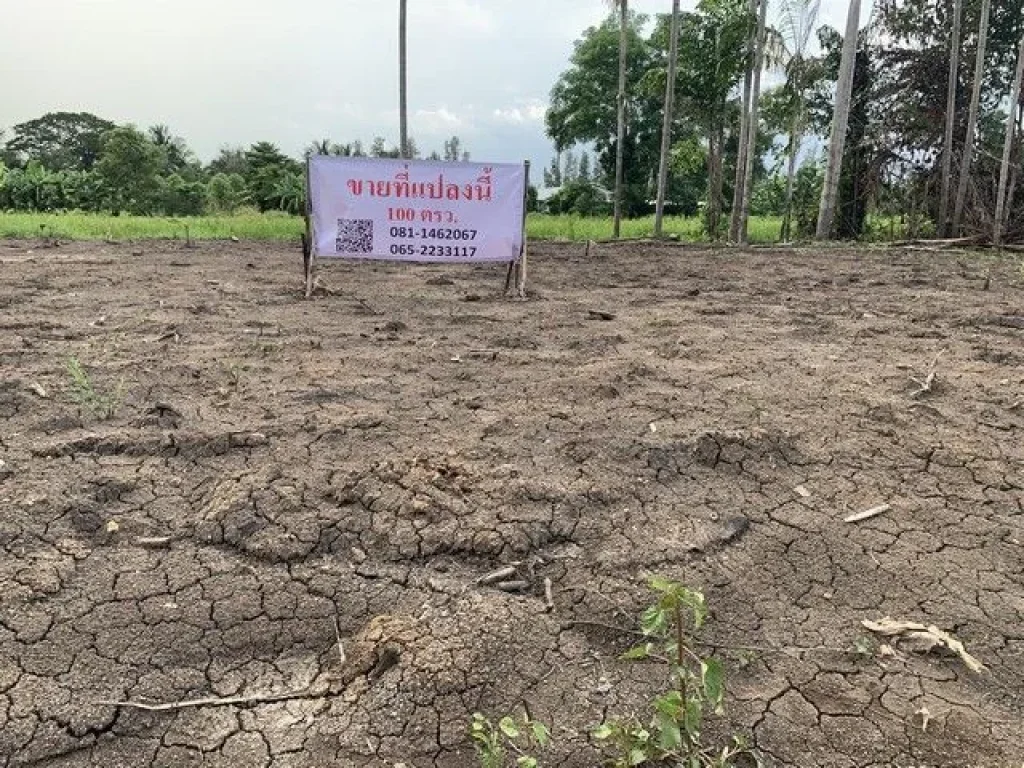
{"x":281,"y":480}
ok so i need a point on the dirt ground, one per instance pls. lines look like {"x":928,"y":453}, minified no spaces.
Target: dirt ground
{"x":279,"y":473}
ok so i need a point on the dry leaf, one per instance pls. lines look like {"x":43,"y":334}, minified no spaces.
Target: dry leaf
{"x":856,"y":517}
{"x":36,"y":387}
{"x":802,"y":492}
{"x":112,"y":526}
{"x":922,"y":639}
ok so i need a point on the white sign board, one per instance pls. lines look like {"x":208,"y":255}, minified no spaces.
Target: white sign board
{"x":409,"y":210}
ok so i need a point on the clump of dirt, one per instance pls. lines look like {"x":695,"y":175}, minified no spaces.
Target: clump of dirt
{"x":286,"y":535}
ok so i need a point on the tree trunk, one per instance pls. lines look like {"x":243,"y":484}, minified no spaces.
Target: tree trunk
{"x":751,"y":147}
{"x":620,"y":149}
{"x":716,"y":178}
{"x":972,"y":120}
{"x":840,"y":119}
{"x":737,"y":189}
{"x":951,"y":88}
{"x":403,"y":85}
{"x":666,"y":130}
{"x":1002,"y":203}
{"x":795,"y":140}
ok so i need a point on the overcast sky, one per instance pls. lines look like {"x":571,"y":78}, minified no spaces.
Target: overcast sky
{"x":231,"y":72}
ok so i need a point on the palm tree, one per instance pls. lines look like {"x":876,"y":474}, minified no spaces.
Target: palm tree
{"x":403,"y":84}
{"x":1002,"y":203}
{"x":947,"y":146}
{"x":972,"y":119}
{"x":799,"y":19}
{"x":741,"y":157}
{"x":620,"y":146}
{"x":750,"y":150}
{"x":840,"y":121}
{"x":666,"y":130}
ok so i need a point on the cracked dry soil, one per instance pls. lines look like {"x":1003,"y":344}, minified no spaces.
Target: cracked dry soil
{"x":276,"y":468}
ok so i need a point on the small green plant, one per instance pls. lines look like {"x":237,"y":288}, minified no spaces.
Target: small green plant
{"x":495,"y":744}
{"x":674,"y":733}
{"x":102,"y":405}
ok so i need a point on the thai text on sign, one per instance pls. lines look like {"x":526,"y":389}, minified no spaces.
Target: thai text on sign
{"x":407,"y":210}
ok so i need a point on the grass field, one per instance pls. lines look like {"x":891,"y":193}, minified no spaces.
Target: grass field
{"x":255,"y":226}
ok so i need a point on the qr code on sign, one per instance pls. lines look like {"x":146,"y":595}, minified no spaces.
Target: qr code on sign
{"x":355,"y":236}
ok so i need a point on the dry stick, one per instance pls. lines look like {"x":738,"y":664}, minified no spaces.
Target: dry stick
{"x":549,"y":601}
{"x":929,"y":380}
{"x":229,"y":701}
{"x":341,"y":648}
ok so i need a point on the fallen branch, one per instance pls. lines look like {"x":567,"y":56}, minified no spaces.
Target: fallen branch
{"x":230,"y":701}
{"x":951,"y":242}
{"x":923,"y":638}
{"x":502,"y":574}
{"x":867,"y":514}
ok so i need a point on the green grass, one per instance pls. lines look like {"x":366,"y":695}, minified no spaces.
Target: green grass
{"x":255,"y":226}
{"x":764,"y":229}
{"x":90,"y":226}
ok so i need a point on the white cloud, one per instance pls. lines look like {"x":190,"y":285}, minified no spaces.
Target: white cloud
{"x":531,"y":111}
{"x":440,"y":121}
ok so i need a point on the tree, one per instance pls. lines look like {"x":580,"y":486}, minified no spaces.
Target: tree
{"x":1004,"y":167}
{"x":175,"y":149}
{"x":230,"y":160}
{"x":60,"y":140}
{"x":620,"y":143}
{"x":581,"y":113}
{"x":267,"y":168}
{"x":972,"y":120}
{"x":129,"y":169}
{"x":453,"y":150}
{"x":584,"y":171}
{"x":553,"y":173}
{"x":711,"y":64}
{"x":571,"y":171}
{"x":226,"y":192}
{"x":180,"y":197}
{"x":797,"y":24}
{"x":840,"y":121}
{"x":741,"y":157}
{"x":951,"y":88}
{"x":749,"y":149}
{"x":403,"y":82}
{"x":666,"y":128}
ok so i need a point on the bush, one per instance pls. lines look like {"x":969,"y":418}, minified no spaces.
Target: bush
{"x":182,"y":198}
{"x":581,"y":198}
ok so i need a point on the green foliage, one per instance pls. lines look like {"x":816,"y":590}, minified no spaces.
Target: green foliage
{"x":129,"y":169}
{"x":182,"y":198}
{"x":101,"y":405}
{"x":510,"y":739}
{"x":581,"y":198}
{"x":673,"y":732}
{"x":226,"y":193}
{"x":274,"y":225}
{"x":269,"y":175}
{"x":583,"y":109}
{"x":806,"y":198}
{"x":59,"y":141}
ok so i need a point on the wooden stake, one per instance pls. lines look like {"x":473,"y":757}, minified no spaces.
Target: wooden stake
{"x":521,"y":281}
{"x":308,"y":247}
